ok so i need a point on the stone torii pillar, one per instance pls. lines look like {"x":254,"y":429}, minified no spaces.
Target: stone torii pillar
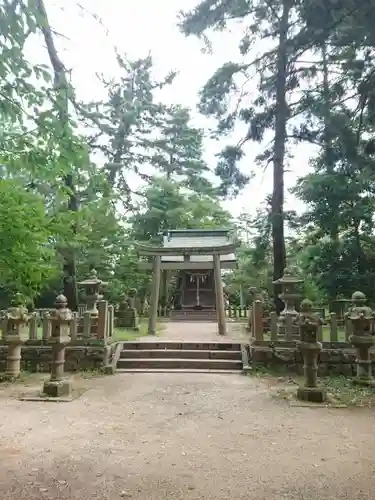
{"x":220,"y":307}
{"x":154,"y":301}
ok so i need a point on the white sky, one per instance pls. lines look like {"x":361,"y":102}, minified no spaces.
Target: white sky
{"x":144,"y":26}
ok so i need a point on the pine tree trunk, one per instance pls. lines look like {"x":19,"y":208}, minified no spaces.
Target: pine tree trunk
{"x":61,"y":94}
{"x":328,"y":151}
{"x":277,"y":205}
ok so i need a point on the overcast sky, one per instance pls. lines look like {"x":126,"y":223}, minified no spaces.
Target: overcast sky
{"x":143,"y":26}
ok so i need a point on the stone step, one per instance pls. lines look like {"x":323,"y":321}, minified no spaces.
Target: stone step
{"x":181,"y":345}
{"x":177,"y":370}
{"x":179,"y":353}
{"x":180,"y":363}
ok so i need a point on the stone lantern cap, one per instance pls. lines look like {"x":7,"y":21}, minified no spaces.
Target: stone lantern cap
{"x":61,"y":312}
{"x":359,"y":297}
{"x":288,"y":278}
{"x":18,"y":313}
{"x":61,"y":301}
{"x":92,"y":280}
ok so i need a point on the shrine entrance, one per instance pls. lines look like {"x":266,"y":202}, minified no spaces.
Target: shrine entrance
{"x":195,"y":290}
{"x":195,"y":258}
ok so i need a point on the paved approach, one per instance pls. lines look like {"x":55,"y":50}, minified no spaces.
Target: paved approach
{"x":168,"y":436}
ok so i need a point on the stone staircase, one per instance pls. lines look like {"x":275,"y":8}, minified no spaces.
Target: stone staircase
{"x":180,"y":356}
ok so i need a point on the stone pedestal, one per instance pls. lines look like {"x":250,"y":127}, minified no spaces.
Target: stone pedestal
{"x":13,"y":364}
{"x":127,"y":315}
{"x":361,"y":318}
{"x":60,"y":318}
{"x":56,"y":389}
{"x":310,"y":391}
{"x":310,"y":349}
{"x":14,"y":319}
{"x":363,"y":345}
{"x":128,"y":318}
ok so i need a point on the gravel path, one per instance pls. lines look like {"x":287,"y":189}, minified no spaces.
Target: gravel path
{"x":160,"y":436}
{"x":205,"y":331}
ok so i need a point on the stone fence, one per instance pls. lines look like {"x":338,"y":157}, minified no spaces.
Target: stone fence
{"x":88,"y":339}
{"x":235,"y":313}
{"x":330,"y":329}
{"x":279,"y":345}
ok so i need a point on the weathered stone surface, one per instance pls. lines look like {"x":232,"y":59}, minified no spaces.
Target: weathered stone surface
{"x":57,"y":388}
{"x":312,"y":394}
{"x":339,"y":361}
{"x":38,"y":358}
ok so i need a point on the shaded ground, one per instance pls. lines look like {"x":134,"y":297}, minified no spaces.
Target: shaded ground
{"x":160,"y":436}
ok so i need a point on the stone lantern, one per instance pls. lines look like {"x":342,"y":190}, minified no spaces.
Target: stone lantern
{"x":308,"y":324}
{"x":127,"y":316}
{"x":362,"y":318}
{"x":60,"y":319}
{"x":14,"y":319}
{"x":92,"y":287}
{"x":289,"y":296}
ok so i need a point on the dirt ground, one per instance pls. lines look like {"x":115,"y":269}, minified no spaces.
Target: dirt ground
{"x":182,"y":436}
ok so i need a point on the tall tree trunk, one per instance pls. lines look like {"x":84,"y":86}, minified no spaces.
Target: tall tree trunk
{"x":328,"y":150}
{"x":277,"y":204}
{"x":61,"y":88}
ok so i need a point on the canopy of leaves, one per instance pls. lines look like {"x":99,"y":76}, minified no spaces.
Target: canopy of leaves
{"x":27,"y":258}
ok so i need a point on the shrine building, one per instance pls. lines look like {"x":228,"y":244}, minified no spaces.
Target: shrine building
{"x":194,"y":259}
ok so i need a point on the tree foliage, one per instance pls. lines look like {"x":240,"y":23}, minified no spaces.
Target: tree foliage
{"x":81,"y":181}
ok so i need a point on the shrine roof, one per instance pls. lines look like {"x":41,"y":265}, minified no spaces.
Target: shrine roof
{"x":199,"y":244}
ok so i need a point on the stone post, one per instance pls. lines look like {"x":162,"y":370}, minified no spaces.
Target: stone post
{"x":86,"y":330}
{"x":154,"y":302}
{"x":46,"y":326}
{"x":273,"y":325}
{"x":61,"y":319}
{"x":361,"y":318}
{"x":73,"y":333}
{"x":254,"y":295}
{"x":102,"y":320}
{"x":333,"y":333}
{"x":310,"y":349}
{"x":257,"y":322}
{"x":33,"y":326}
{"x":220,"y":307}
{"x":111,"y":318}
{"x":15,"y":318}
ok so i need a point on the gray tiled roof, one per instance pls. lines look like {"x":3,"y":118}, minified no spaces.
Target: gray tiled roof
{"x":194,"y":239}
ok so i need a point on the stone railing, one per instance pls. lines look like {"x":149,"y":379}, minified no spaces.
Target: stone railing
{"x":88,"y":341}
{"x":341,"y":348}
{"x":266,"y":328}
{"x":234,"y":313}
{"x":85,"y":327}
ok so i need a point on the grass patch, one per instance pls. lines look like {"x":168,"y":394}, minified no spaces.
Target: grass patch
{"x":124,"y":334}
{"x":347,"y":392}
{"x":94,"y":373}
{"x":23,"y":378}
{"x":342,"y":391}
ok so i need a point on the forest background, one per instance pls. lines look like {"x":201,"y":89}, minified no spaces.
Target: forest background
{"x":83,"y":178}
